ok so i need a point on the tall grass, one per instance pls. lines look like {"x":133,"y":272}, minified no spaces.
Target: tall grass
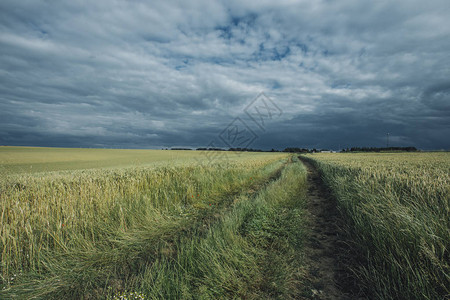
{"x":76,"y":234}
{"x":397,"y":212}
{"x":252,"y":252}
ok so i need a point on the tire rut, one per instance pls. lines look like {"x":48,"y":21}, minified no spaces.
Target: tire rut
{"x":327,"y":253}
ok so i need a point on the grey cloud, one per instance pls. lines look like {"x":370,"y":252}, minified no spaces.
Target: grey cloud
{"x":151,"y":74}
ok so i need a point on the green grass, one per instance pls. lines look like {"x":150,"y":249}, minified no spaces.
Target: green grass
{"x":252,"y":252}
{"x":105,"y":224}
{"x":397,"y":212}
{"x":164,"y":231}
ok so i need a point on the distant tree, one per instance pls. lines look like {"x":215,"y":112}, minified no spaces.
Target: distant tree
{"x":379,"y":149}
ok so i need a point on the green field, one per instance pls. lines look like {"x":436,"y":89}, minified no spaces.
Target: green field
{"x":173,"y":229}
{"x":159,"y":224}
{"x":397,"y":212}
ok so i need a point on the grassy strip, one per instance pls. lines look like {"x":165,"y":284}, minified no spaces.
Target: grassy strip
{"x":253,"y":252}
{"x":398,"y":217}
{"x":80,"y":265}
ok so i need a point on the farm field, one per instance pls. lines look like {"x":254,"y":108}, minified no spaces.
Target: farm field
{"x":300,"y":150}
{"x":152,"y":224}
{"x":396,"y":210}
{"x":171,"y":230}
{"x":37,"y":159}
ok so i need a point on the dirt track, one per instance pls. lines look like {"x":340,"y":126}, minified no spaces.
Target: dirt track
{"x":327,"y":254}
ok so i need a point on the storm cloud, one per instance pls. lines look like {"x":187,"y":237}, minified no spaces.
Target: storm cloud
{"x":151,"y":74}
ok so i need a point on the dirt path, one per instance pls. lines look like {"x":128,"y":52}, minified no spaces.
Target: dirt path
{"x":326,"y":252}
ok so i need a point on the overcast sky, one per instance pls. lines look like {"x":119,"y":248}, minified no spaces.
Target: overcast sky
{"x":154,"y":74}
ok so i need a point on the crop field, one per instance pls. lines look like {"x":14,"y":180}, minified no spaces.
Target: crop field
{"x":396,"y":209}
{"x":34,"y":160}
{"x":170,"y":230}
{"x":158,"y":224}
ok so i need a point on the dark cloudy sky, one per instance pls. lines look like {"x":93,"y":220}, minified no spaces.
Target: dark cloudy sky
{"x":148,"y":74}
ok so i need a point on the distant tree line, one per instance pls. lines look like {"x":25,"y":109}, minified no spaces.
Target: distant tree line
{"x":378,"y":149}
{"x":246,"y":150}
{"x":299,"y":150}
{"x":306,"y":150}
{"x":233,"y":149}
{"x":210,"y":149}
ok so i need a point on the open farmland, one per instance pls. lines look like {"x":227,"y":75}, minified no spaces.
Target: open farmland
{"x":152,"y":224}
{"x":321,"y":168}
{"x":175,"y":230}
{"x":15,"y":160}
{"x":396,"y":211}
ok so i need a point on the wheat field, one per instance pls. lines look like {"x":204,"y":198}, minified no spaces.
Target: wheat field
{"x":396,"y":207}
{"x":116,"y":231}
{"x":153,"y":224}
